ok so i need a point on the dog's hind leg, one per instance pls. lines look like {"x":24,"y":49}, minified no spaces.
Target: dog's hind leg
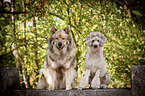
{"x":41,"y":83}
{"x":84,"y":81}
{"x":105,"y":80}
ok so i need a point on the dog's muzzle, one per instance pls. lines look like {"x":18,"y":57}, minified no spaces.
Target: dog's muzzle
{"x":96,"y":47}
{"x":60,"y":45}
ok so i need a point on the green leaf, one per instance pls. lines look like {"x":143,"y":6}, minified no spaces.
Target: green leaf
{"x":136,"y":13}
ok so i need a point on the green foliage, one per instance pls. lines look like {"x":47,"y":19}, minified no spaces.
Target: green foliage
{"x":124,"y":47}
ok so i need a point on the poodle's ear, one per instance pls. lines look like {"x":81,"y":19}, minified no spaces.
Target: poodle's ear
{"x":88,"y":41}
{"x":103,"y":40}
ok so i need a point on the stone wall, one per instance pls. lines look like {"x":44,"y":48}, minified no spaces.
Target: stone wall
{"x":9,"y":78}
{"x":9,"y":84}
{"x":138,"y":80}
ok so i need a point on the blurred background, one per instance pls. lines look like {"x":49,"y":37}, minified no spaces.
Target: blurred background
{"x":25,"y":26}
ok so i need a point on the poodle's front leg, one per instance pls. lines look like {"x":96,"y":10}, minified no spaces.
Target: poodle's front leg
{"x":96,"y":80}
{"x":84,"y":81}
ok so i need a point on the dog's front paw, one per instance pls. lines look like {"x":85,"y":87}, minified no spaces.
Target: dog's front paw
{"x":84,"y":82}
{"x":50,"y":88}
{"x":104,"y":86}
{"x":80,"y":88}
{"x":68,"y":88}
{"x":95,"y":84}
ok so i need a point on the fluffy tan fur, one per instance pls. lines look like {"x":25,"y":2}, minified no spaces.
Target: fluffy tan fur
{"x":58,"y":71}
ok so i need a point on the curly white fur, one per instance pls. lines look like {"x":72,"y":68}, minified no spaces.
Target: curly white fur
{"x":96,"y":72}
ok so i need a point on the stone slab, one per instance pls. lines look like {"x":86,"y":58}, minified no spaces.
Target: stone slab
{"x":9,"y":78}
{"x":74,"y":92}
{"x":138,"y":80}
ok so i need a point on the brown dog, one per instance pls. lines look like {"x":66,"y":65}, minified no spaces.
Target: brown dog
{"x":58,"y":71}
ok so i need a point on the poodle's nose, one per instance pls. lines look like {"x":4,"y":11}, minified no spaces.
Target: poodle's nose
{"x":95,"y":46}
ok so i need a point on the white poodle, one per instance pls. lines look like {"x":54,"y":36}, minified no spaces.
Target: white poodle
{"x":96,"y":72}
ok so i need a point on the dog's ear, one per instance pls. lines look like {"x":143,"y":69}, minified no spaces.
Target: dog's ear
{"x":103,"y":40}
{"x":53,"y":30}
{"x":49,"y":40}
{"x":88,"y":41}
{"x":87,"y":38}
{"x":67,"y":30}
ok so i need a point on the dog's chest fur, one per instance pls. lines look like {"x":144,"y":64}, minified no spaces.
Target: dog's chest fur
{"x":60,"y":60}
{"x":64,"y":60}
{"x":94,"y":61}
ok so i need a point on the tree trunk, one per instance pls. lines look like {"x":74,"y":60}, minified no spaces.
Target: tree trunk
{"x":19,"y":60}
{"x":25,"y":46}
{"x":36,"y":69}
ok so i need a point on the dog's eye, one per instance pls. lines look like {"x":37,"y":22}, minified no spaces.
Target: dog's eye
{"x":52,"y":42}
{"x":93,"y":40}
{"x":98,"y":40}
{"x":56,"y":38}
{"x":63,"y":38}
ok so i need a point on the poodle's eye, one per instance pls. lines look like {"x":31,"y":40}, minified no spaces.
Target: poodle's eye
{"x":56,"y":38}
{"x":98,"y":40}
{"x":93,"y":40}
{"x":63,"y":38}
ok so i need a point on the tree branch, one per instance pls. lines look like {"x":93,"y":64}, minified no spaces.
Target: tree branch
{"x":69,"y":23}
{"x":21,"y":45}
{"x":56,"y":15}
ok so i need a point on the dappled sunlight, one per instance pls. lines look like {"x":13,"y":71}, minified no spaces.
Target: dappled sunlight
{"x":124,"y":46}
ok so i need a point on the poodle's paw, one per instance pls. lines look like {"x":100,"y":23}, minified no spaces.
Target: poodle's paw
{"x":95,"y":84}
{"x":84,"y":82}
{"x":104,"y":86}
{"x":68,"y":88}
{"x":50,"y":88}
{"x":80,"y":88}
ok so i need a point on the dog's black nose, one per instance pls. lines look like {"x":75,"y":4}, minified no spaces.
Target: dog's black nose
{"x":59,"y":44}
{"x":95,"y":46}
